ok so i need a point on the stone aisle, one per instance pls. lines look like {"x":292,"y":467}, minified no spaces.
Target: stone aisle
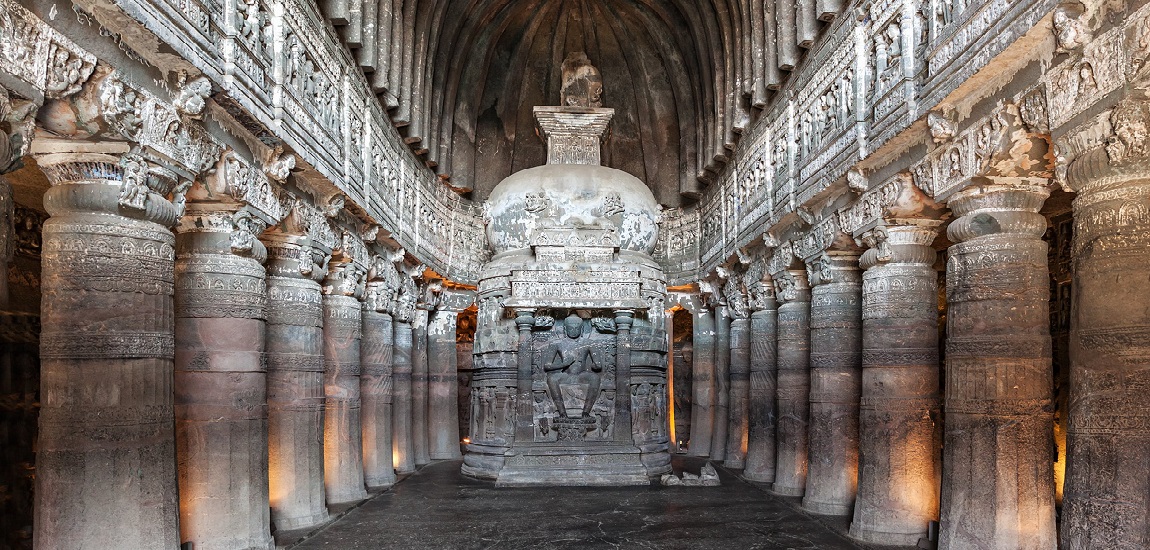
{"x":439,"y":508}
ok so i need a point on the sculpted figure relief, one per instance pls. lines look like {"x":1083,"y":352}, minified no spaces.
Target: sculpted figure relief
{"x":571,"y":361}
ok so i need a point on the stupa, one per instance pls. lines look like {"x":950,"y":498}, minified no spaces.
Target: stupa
{"x":570,"y":383}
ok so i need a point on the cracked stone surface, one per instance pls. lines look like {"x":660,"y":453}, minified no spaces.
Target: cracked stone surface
{"x":439,"y":508}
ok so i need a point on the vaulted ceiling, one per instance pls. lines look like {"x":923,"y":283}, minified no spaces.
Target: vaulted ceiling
{"x":461,"y":76}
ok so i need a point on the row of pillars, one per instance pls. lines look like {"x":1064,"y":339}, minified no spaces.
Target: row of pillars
{"x":845,"y":406}
{"x":191,"y":393}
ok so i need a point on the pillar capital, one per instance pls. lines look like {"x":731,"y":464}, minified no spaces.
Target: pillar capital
{"x":1006,"y":206}
{"x":1119,"y":158}
{"x":792,"y":286}
{"x":833,"y":266}
{"x":908,"y":241}
{"x":347,"y":268}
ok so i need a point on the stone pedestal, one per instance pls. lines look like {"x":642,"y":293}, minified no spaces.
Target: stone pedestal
{"x":443,"y":387}
{"x":899,"y":426}
{"x":294,"y":343}
{"x":702,"y":382}
{"x":106,"y":458}
{"x":998,"y":476}
{"x":739,"y":409}
{"x":1106,"y":501}
{"x":221,"y":381}
{"x":404,"y":457}
{"x":343,"y":443}
{"x":760,"y":465}
{"x":722,"y":383}
{"x":836,"y":346}
{"x":794,"y":383}
{"x":419,"y":370}
{"x":376,"y":351}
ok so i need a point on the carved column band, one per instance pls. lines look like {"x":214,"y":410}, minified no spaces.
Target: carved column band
{"x":794,"y":383}
{"x":899,"y":434}
{"x":702,"y":382}
{"x":295,"y":383}
{"x":1106,"y":503}
{"x":220,"y":383}
{"x":836,"y":346}
{"x":760,"y":464}
{"x":343,"y":439}
{"x":998,"y":476}
{"x":106,"y":352}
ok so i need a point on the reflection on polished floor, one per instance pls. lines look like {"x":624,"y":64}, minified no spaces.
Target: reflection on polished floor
{"x":439,"y":508}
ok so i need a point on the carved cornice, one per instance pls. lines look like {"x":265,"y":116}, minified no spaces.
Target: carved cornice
{"x":39,"y":55}
{"x":897,"y":198}
{"x":1125,"y":153}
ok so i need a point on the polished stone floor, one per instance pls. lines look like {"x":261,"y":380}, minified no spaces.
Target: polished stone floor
{"x":439,"y":508}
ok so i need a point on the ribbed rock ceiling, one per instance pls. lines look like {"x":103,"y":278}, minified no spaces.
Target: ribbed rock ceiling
{"x":461,"y":78}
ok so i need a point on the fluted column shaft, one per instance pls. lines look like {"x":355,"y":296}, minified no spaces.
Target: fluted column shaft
{"x":294,"y":341}
{"x":221,"y":384}
{"x":836,"y":348}
{"x":722,"y":383}
{"x":419,"y":372}
{"x":761,"y":450}
{"x":404,"y":457}
{"x":739,"y":407}
{"x":443,"y":387}
{"x":343,"y":438}
{"x":702,"y":382}
{"x":1106,"y":500}
{"x":106,"y":456}
{"x":377,"y":352}
{"x":899,"y":431}
{"x":998,"y":477}
{"x":793,"y":386}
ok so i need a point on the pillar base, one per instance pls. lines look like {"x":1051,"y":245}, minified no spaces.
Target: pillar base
{"x":759,"y":477}
{"x":827,"y":508}
{"x":779,"y":490}
{"x":882,"y":538}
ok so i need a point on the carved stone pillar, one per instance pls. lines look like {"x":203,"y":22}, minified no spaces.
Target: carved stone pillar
{"x":342,"y":332}
{"x":722,"y":382}
{"x":419,"y":430}
{"x":443,"y":378}
{"x":898,"y":417}
{"x":220,"y":374}
{"x":836,"y":347}
{"x":760,"y":465}
{"x":794,"y":383}
{"x":739,"y":374}
{"x":7,"y":236}
{"x":998,"y":476}
{"x":702,"y":381}
{"x":404,"y":310}
{"x":106,"y":354}
{"x":1106,"y":501}
{"x":294,"y":342}
{"x":376,"y":353}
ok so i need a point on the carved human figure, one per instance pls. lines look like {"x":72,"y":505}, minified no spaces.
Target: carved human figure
{"x":570,"y":360}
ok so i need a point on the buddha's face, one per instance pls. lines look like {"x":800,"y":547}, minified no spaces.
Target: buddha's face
{"x":573,"y":326}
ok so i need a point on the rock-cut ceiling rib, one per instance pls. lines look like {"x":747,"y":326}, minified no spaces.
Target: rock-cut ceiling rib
{"x":684,"y":76}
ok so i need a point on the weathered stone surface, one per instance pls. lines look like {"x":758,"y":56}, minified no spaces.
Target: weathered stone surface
{"x":343,"y":436}
{"x":702,"y":382}
{"x":294,"y":342}
{"x":899,"y":430}
{"x":404,"y":455}
{"x":443,"y":383}
{"x":1106,"y":503}
{"x":739,"y":409}
{"x":376,"y":386}
{"x":760,"y":465}
{"x":794,"y":383}
{"x":722,"y":383}
{"x":998,"y":476}
{"x":220,"y":383}
{"x":108,"y":284}
{"x":419,"y":429}
{"x":836,"y":346}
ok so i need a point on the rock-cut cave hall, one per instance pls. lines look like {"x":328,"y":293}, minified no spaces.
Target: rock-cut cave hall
{"x":574,"y":274}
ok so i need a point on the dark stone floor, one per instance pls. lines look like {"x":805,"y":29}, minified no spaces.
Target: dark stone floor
{"x":439,"y":508}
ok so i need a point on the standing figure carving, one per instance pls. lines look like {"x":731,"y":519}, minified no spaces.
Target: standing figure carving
{"x":571,"y":361}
